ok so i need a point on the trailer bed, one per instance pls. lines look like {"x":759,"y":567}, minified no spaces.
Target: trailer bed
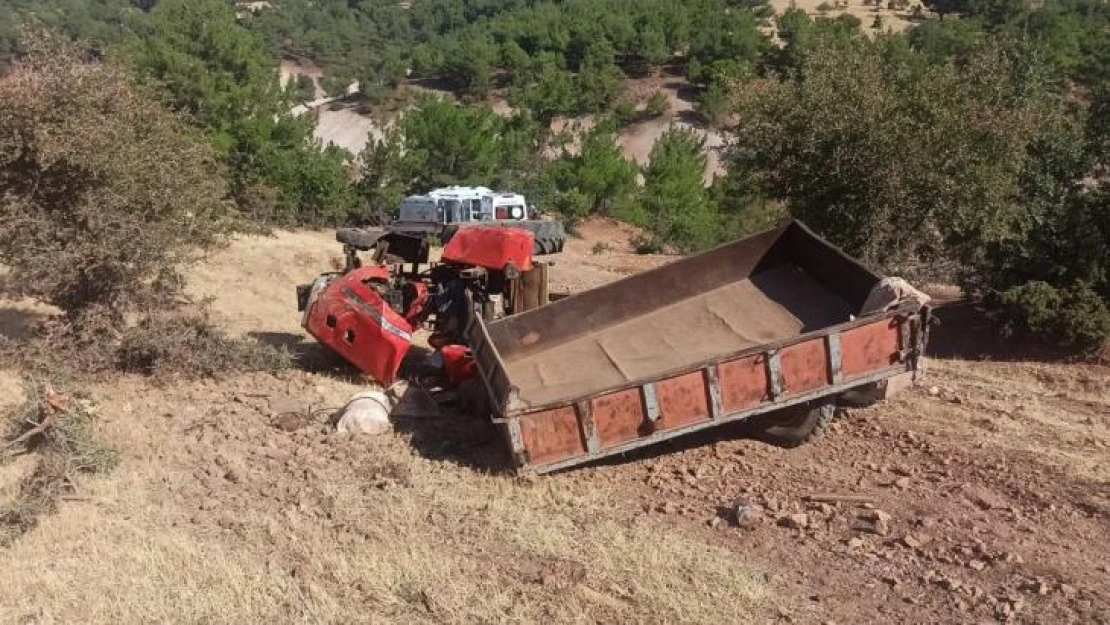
{"x":752,"y":326}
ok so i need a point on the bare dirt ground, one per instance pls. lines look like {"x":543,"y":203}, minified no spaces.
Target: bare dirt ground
{"x":894,"y":20}
{"x":988,"y":489}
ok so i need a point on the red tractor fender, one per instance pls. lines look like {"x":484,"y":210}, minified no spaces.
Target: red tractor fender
{"x":351,"y":318}
{"x":491,"y":247}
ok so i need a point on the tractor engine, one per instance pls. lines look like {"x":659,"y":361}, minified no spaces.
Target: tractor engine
{"x":368,"y":314}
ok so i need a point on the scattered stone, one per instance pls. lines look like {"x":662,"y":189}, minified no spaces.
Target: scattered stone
{"x":902,"y":483}
{"x":877,"y":515}
{"x":977,"y":565}
{"x":891,"y":581}
{"x":882,"y":527}
{"x":283,"y":404}
{"x":666,"y":507}
{"x":934,"y":391}
{"x":987,"y":500}
{"x":855,"y":542}
{"x":714,"y":523}
{"x":915,"y":541}
{"x":748,"y":515}
{"x":1068,"y":590}
{"x":794,"y":521}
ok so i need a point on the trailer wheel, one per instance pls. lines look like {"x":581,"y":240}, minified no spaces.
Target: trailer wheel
{"x":794,"y":426}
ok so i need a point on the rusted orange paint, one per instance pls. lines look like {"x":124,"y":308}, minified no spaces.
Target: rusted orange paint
{"x":682,"y":400}
{"x":869,"y":348}
{"x":619,"y":417}
{"x":551,"y":435}
{"x":743,"y":383}
{"x":804,"y":367}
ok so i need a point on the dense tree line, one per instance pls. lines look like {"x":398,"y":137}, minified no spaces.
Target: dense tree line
{"x":974,"y":146}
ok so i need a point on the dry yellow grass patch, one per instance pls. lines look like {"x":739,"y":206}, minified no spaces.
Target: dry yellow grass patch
{"x":395,"y":537}
{"x":1059,"y":412}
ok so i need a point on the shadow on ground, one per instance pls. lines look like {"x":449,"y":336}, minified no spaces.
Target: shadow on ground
{"x":965,"y":330}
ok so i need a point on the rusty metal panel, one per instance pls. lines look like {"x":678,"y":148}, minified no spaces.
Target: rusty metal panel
{"x":805,"y":367}
{"x":743,"y":383}
{"x":682,"y":400}
{"x":619,"y":417}
{"x":551,"y":435}
{"x":869,"y":348}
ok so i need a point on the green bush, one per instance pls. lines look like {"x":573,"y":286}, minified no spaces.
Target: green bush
{"x":1076,"y":315}
{"x":659,"y":104}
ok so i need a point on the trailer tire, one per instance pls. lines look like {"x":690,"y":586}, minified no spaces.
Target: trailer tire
{"x":794,"y":426}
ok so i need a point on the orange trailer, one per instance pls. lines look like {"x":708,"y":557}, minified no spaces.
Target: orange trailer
{"x":765,"y":326}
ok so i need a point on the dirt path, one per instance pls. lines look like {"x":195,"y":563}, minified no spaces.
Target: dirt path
{"x":988,"y":489}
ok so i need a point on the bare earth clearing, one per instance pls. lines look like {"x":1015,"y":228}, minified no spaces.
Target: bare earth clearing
{"x":989,"y":483}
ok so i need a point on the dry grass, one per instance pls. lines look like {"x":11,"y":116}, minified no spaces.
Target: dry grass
{"x":1059,"y":413}
{"x":396,"y":538}
{"x":57,"y":430}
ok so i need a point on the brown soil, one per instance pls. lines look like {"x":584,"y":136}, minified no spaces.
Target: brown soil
{"x":987,"y":487}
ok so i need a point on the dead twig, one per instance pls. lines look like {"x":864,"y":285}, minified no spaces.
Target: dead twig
{"x":55,"y":403}
{"x":834,"y":498}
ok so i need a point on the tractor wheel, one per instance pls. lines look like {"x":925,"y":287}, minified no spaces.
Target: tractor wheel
{"x":794,"y":426}
{"x":550,"y":237}
{"x":358,"y":238}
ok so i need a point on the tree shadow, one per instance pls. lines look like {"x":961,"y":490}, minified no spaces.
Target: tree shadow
{"x":693,"y":119}
{"x":736,"y":430}
{"x":965,"y":329}
{"x":18,"y":324}
{"x":308,"y":355}
{"x":441,"y":429}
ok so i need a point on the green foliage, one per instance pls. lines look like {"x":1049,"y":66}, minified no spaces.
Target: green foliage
{"x":439,"y":143}
{"x":103,"y":192}
{"x":941,"y":40}
{"x":658,"y":104}
{"x":1075,"y":315}
{"x":713,"y":104}
{"x":222,"y":76}
{"x":873,"y":141}
{"x":596,"y":179}
{"x":674,"y":207}
{"x":544,"y":88}
{"x":743,"y":208}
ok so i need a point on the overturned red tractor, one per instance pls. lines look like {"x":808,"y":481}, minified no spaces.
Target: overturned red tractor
{"x":368,"y":314}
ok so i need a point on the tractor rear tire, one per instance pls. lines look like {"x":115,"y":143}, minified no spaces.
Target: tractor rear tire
{"x":358,"y":238}
{"x":794,"y":426}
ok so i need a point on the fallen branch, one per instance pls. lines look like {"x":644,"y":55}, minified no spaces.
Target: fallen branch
{"x":55,"y":403}
{"x":833,"y":498}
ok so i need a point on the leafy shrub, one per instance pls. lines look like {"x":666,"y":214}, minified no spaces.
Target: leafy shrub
{"x":58,"y":429}
{"x":824,"y":7}
{"x":187,"y":345}
{"x":103,"y":192}
{"x":625,"y":112}
{"x":1076,"y":315}
{"x":659,"y":104}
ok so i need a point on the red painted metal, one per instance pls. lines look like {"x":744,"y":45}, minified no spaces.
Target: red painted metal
{"x":491,"y":247}
{"x":743,"y":383}
{"x":804,"y":367}
{"x":869,"y":347}
{"x":552,"y":435}
{"x":351,"y":318}
{"x":459,"y":363}
{"x":682,"y":400}
{"x":619,"y":417}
